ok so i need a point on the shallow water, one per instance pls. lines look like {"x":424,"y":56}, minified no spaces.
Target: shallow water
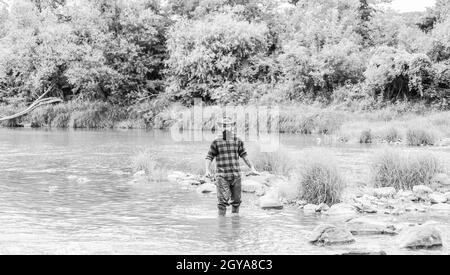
{"x":70,"y":192}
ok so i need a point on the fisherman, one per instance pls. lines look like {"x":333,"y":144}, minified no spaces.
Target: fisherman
{"x":226,"y":150}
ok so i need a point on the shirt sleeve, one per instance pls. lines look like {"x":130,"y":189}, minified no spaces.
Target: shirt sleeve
{"x":212,"y":153}
{"x":241,"y":149}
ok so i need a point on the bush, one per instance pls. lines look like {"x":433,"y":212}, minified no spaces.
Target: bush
{"x":391,"y":135}
{"x":7,"y":111}
{"x":395,"y":74}
{"x":403,"y":171}
{"x":421,"y":136}
{"x":90,"y":115}
{"x":321,"y":181}
{"x":366,"y":137}
{"x":206,"y":55}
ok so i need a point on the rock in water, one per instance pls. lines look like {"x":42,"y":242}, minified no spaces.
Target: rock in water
{"x":421,"y":237}
{"x":384,"y":192}
{"x":139,"y":174}
{"x":441,"y":182}
{"x":331,"y":235}
{"x":310,"y":209}
{"x":365,"y":226}
{"x":422,"y":192}
{"x":251,"y":186}
{"x":447,"y":195}
{"x":341,"y":209}
{"x":263,"y":178}
{"x":406,"y":196}
{"x":176,"y":176}
{"x":323,"y":207}
{"x":139,"y":178}
{"x":207,"y":188}
{"x":441,"y":207}
{"x":436,"y":198}
{"x":270,"y":201}
{"x":363,"y":205}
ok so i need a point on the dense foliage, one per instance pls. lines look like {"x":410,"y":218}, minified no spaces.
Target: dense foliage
{"x":226,"y":51}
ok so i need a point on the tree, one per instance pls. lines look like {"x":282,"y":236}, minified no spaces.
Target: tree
{"x":365,"y":15}
{"x":102,"y":51}
{"x":209,"y":54}
{"x":4,"y":13}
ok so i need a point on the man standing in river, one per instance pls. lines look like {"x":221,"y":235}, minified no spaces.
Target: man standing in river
{"x":226,"y":150}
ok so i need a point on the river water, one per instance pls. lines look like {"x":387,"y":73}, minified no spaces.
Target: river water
{"x":70,"y":192}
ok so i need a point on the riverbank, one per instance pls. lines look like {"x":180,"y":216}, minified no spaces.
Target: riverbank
{"x":414,"y":125}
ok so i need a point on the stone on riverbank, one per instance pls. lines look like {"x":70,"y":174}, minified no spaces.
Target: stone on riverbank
{"x":263,"y":178}
{"x":323,"y":207}
{"x":176,"y":176}
{"x":441,"y":183}
{"x":441,"y":207}
{"x":309,"y":208}
{"x":364,"y":205}
{"x":331,"y":235}
{"x":384,"y":192}
{"x":270,"y":201}
{"x":406,"y":196}
{"x":420,"y":237}
{"x":422,"y":192}
{"x":341,"y":210}
{"x":365,"y":226}
{"x":447,"y":195}
{"x":251,"y":186}
{"x":436,"y":198}
{"x":139,"y":174}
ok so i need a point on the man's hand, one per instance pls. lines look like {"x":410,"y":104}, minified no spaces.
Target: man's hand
{"x":208,"y":174}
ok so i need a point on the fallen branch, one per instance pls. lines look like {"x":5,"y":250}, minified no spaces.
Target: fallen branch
{"x":38,"y":103}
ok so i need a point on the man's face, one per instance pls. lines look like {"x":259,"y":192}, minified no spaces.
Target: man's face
{"x":227,"y":132}
{"x":227,"y":128}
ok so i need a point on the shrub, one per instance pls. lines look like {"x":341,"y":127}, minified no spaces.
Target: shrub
{"x":321,"y":181}
{"x":206,"y":55}
{"x":366,"y":137}
{"x":391,"y":135}
{"x":328,"y":122}
{"x":90,"y":115}
{"x":7,"y":111}
{"x":395,"y":74}
{"x":403,"y":171}
{"x":421,"y":136}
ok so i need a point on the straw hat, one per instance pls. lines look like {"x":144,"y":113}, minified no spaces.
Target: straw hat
{"x":226,"y":122}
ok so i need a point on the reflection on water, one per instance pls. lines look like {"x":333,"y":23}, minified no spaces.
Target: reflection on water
{"x":69,"y":192}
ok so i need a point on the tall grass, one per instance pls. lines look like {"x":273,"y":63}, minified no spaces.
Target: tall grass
{"x":146,"y":160}
{"x":10,"y":110}
{"x":394,"y":168}
{"x":422,"y":135}
{"x":390,"y":135}
{"x":320,"y":179}
{"x":277,"y":161}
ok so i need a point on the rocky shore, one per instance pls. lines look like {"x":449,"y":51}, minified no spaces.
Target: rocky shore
{"x":359,"y":216}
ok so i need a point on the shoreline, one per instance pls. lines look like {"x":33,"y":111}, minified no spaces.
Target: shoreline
{"x":397,"y":125}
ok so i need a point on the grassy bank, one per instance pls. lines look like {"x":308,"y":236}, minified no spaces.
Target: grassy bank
{"x":397,"y":124}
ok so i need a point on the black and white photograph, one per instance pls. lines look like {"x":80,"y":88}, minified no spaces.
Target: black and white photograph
{"x":246,"y":128}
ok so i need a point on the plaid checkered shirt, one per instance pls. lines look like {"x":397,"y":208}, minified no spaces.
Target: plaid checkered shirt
{"x":227,"y":154}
